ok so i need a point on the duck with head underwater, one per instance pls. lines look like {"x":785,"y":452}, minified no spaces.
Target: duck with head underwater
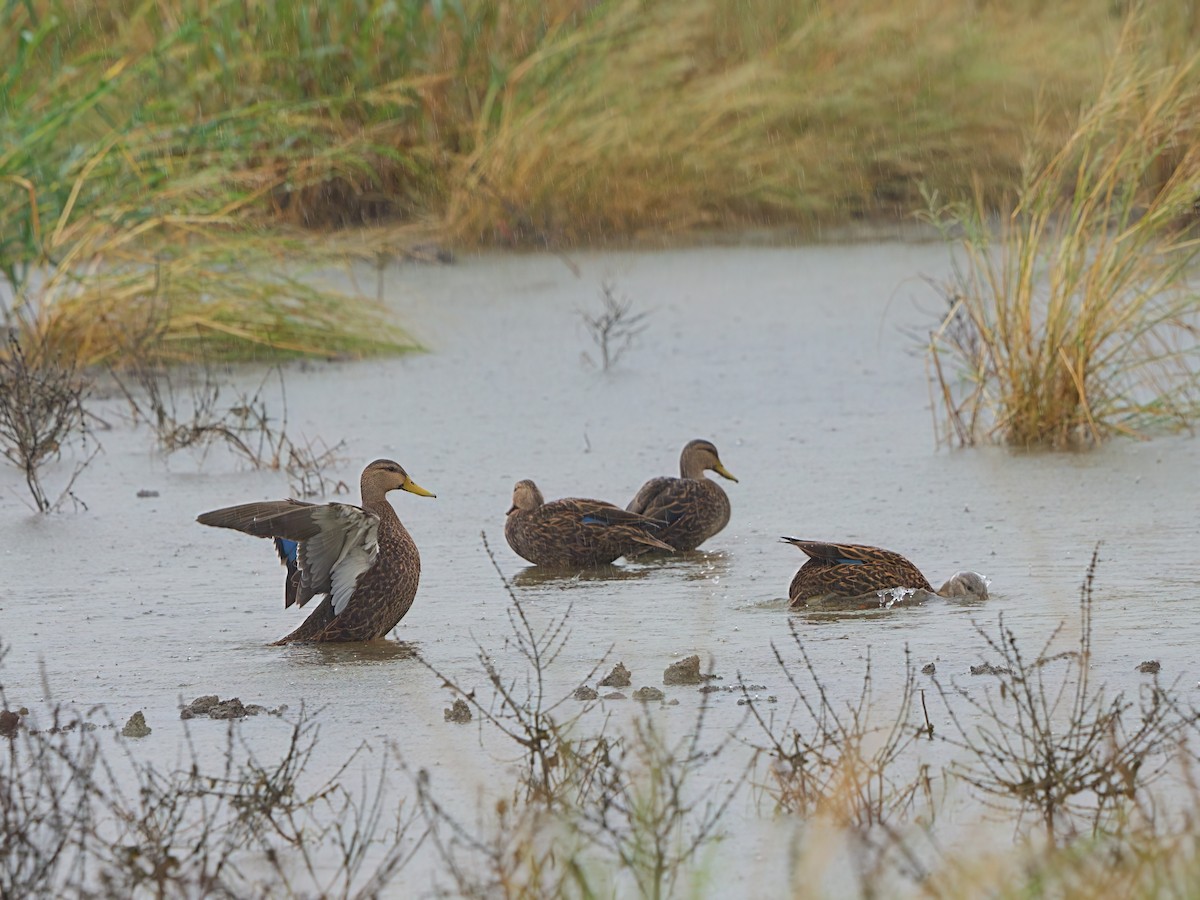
{"x":361,"y":558}
{"x":844,"y":571}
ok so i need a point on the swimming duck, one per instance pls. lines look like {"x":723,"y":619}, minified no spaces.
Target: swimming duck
{"x":361,"y":558}
{"x":852,"y":570}
{"x":573,"y":532}
{"x":692,"y":507}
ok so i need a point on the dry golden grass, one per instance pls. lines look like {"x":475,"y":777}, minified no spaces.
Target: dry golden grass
{"x":1073,"y":319}
{"x":685,"y":115}
{"x":150,"y":130}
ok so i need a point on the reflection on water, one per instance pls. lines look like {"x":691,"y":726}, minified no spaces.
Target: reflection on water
{"x":883,"y":604}
{"x":542,"y":576}
{"x":694,"y":565}
{"x":897,"y":598}
{"x":971,"y":601}
{"x":774,"y":603}
{"x":353,"y":654}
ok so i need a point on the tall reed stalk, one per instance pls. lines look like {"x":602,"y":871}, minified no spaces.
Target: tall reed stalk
{"x":158,"y":150}
{"x":1074,"y":318}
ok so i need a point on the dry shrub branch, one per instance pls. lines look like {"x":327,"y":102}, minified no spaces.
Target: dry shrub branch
{"x":82,"y":820}
{"x":41,"y":413}
{"x":837,"y":760}
{"x":615,"y":327}
{"x":184,"y":408}
{"x":1054,"y":744}
{"x":589,"y":811}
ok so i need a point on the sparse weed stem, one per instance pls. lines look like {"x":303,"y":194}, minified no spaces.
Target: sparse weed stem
{"x":838,"y":761}
{"x":85,"y":817}
{"x":520,"y":707}
{"x":615,"y":327}
{"x":198,"y":420}
{"x":584,"y":806}
{"x":1065,"y":751}
{"x":42,"y":414}
{"x":646,"y":810}
{"x":840,"y":767}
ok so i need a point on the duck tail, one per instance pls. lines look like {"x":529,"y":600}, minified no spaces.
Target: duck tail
{"x":651,"y":541}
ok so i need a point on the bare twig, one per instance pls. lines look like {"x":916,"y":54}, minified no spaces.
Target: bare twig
{"x":614,"y":328}
{"x":41,"y":412}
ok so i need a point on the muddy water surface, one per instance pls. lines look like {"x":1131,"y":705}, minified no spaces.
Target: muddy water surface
{"x":800,"y":364}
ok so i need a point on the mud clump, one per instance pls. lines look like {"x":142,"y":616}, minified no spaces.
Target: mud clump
{"x":1150,"y":667}
{"x":686,"y":671}
{"x":214,"y":707}
{"x":64,"y":729}
{"x":228,"y":709}
{"x":619,"y":677}
{"x":9,"y":723}
{"x":201,"y":705}
{"x":746,"y":701}
{"x":988,"y":669}
{"x":583,"y":692}
{"x":615,"y":695}
{"x":458,"y":713}
{"x":647,"y":694}
{"x":731,"y":688}
{"x":136,"y":727}
{"x":928,"y":669}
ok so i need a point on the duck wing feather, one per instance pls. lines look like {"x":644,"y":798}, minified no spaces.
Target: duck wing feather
{"x":337,"y":542}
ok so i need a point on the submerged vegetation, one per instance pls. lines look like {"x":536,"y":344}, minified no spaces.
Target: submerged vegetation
{"x":178,"y":156}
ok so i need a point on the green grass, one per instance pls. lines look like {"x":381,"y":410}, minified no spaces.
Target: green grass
{"x":138,"y":132}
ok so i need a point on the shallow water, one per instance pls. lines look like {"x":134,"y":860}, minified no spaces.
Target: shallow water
{"x":799,"y":364}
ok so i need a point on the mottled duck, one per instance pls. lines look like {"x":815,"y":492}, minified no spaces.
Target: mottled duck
{"x":691,"y":507}
{"x":837,"y":571}
{"x":362,"y":559}
{"x":574,"y":532}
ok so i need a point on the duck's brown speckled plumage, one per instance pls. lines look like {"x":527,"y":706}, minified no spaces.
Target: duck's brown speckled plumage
{"x":361,"y":558}
{"x":852,"y":570}
{"x":691,"y":507}
{"x":573,"y":532}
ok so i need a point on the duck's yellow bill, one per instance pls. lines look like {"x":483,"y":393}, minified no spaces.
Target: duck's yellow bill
{"x":723,"y":472}
{"x":413,"y":488}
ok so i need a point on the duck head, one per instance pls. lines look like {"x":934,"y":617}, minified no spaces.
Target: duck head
{"x":526,"y":497}
{"x":700,"y":456}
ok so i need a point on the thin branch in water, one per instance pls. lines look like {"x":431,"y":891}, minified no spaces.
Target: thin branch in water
{"x":614,"y":328}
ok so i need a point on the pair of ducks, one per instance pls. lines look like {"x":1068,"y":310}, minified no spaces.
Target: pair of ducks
{"x":666,"y":514}
{"x":366,"y":565}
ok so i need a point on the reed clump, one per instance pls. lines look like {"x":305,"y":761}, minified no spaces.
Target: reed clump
{"x":137,"y":161}
{"x":184,"y":154}
{"x":682,"y":116}
{"x":1074,"y":318}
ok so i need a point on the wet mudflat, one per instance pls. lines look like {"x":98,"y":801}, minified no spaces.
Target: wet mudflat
{"x":805,"y":369}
